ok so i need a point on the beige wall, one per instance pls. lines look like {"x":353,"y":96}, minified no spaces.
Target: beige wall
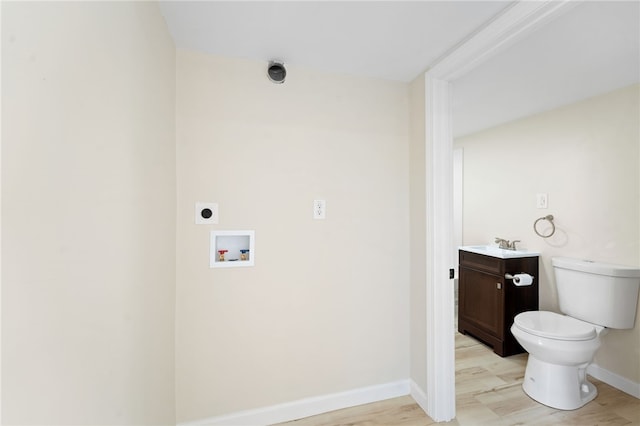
{"x":418,"y":217}
{"x":88,"y":214}
{"x":89,"y":138}
{"x":585,"y":156}
{"x":326,"y":307}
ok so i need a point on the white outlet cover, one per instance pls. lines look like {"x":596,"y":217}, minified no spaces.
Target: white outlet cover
{"x":319,"y":209}
{"x":542,"y":200}
{"x":206,"y":213}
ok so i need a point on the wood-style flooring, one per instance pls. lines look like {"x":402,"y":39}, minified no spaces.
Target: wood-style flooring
{"x":488,"y":392}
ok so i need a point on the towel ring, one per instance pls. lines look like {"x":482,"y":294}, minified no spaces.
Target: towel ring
{"x":548,"y":218}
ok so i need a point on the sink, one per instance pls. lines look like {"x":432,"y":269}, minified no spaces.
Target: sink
{"x":498,"y":252}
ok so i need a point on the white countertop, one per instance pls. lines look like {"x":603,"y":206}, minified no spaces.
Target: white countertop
{"x":494,"y":251}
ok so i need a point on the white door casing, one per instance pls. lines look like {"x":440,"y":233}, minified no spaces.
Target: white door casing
{"x":517,"y":21}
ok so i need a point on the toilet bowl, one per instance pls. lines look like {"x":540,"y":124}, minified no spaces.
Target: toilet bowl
{"x":591,"y":296}
{"x":560,"y":349}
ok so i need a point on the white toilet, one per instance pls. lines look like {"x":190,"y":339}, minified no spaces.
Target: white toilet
{"x":592,"y":296}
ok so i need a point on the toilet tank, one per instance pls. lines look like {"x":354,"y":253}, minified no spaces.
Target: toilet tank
{"x":599,"y":293}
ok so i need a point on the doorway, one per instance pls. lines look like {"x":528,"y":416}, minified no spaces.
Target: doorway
{"x":515,"y":22}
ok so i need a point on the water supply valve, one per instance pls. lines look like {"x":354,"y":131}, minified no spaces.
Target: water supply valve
{"x":221,"y":255}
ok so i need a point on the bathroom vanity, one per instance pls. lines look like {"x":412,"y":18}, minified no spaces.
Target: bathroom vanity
{"x":488,"y":299}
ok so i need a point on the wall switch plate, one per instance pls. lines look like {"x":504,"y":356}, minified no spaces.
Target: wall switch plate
{"x":542,"y":201}
{"x":319,"y":209}
{"x":206,"y":213}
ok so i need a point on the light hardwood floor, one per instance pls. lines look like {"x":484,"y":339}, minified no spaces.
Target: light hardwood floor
{"x":488,"y":392}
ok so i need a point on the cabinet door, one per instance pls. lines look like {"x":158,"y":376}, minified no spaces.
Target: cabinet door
{"x":481,"y":300}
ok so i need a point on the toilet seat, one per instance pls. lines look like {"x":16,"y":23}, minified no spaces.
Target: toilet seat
{"x":554,"y":326}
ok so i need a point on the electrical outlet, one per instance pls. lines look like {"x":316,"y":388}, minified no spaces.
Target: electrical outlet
{"x":319,"y":209}
{"x":206,"y":213}
{"x":542,"y":201}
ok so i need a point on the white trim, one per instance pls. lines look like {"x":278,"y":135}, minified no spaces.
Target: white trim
{"x":441,"y":397}
{"x":621,"y":383}
{"x":513,"y":24}
{"x":307,"y":407}
{"x":0,"y":244}
{"x":418,"y":395}
{"x":458,"y":197}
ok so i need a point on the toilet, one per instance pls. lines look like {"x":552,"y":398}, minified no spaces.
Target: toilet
{"x":593,"y":297}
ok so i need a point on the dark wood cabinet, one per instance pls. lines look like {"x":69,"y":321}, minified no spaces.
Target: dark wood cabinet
{"x":488,"y":302}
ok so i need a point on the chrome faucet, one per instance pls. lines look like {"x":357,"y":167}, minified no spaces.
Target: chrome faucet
{"x":502,"y":243}
{"x":506,"y":244}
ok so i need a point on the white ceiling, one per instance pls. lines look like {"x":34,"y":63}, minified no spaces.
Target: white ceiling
{"x":392,"y":40}
{"x":591,"y":49}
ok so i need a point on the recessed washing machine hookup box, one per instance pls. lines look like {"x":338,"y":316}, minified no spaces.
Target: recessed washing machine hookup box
{"x":232,"y":249}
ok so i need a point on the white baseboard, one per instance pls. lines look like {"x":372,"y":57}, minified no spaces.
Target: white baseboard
{"x":336,"y":401}
{"x":307,"y":407}
{"x":615,"y":380}
{"x":418,"y":395}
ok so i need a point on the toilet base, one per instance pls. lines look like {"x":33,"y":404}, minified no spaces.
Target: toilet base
{"x":564,"y":387}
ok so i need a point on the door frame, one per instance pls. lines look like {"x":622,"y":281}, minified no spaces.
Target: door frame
{"x":514,"y":23}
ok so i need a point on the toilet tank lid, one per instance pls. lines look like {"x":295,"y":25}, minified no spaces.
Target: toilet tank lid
{"x":554,"y":326}
{"x":589,"y":266}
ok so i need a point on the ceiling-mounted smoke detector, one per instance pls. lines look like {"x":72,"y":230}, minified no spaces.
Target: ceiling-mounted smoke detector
{"x":276,"y":72}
